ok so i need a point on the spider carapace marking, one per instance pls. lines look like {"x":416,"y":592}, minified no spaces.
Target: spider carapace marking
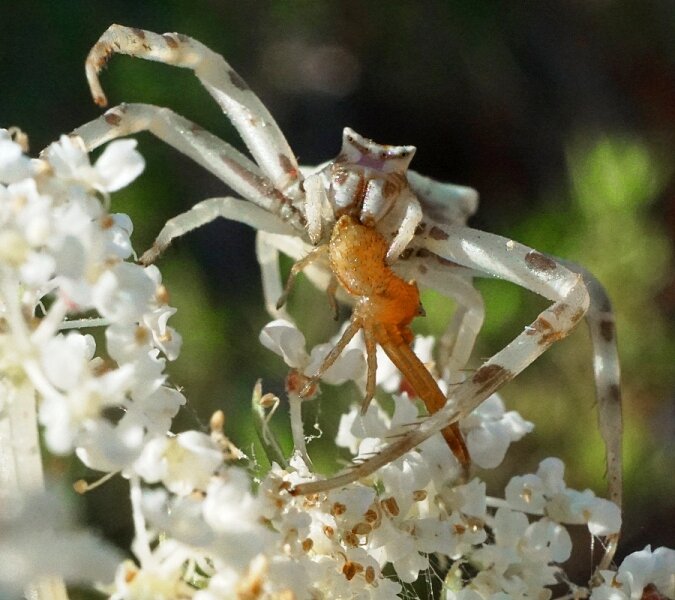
{"x":363,"y":184}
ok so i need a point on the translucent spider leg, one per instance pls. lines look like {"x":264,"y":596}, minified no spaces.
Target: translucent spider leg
{"x":602,"y":329}
{"x":248,"y":114}
{"x":218,"y":157}
{"x":443,"y":202}
{"x":298,"y":267}
{"x":455,"y":282}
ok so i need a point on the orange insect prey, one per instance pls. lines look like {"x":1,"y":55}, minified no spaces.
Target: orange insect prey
{"x":385,"y":307}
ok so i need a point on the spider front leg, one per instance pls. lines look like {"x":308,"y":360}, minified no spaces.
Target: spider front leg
{"x":190,"y":139}
{"x":248,"y":114}
{"x":215,"y":155}
{"x":607,"y":375}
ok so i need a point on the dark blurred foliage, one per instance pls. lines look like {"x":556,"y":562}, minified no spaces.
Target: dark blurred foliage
{"x":562,"y":115}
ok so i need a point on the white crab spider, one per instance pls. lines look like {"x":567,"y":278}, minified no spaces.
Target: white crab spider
{"x":424,"y":221}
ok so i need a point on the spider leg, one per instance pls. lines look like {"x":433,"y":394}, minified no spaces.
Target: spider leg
{"x":315,"y":200}
{"x":453,"y":281}
{"x":208,"y":210}
{"x":371,"y":362}
{"x":331,"y":290}
{"x":406,"y":227}
{"x":457,"y":343}
{"x":297,"y":268}
{"x":268,"y":259}
{"x":216,"y":156}
{"x":443,"y":202}
{"x":255,"y":124}
{"x":602,"y":329}
{"x":352,"y":329}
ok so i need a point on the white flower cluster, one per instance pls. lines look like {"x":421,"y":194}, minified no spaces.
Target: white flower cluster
{"x":205,"y":527}
{"x":64,"y":267}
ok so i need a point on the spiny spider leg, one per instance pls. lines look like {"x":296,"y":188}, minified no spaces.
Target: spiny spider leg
{"x":248,"y":114}
{"x":607,"y":374}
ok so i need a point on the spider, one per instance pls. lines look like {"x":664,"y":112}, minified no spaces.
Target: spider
{"x":298,"y":208}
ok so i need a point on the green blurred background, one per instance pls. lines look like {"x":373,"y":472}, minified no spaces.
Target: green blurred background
{"x":562,"y":115}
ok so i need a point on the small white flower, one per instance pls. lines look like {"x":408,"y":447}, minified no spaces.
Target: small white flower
{"x":286,"y":340}
{"x":490,"y":430}
{"x":14,"y":166}
{"x":546,"y":493}
{"x":183,"y":463}
{"x":65,"y":359}
{"x":646,"y":567}
{"x":109,"y":447}
{"x":119,"y":165}
{"x":124,"y":293}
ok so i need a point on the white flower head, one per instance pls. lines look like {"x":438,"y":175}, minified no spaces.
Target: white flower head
{"x":118,"y":166}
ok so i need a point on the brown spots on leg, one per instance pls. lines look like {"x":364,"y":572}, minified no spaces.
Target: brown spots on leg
{"x":447,"y":263}
{"x":614,"y":393}
{"x":491,"y":377}
{"x":607,"y":330}
{"x":559,"y":309}
{"x":171,"y":41}
{"x":139,"y":33}
{"x":539,"y":262}
{"x":237,"y":81}
{"x":406,"y":254}
{"x":112,"y":118}
{"x":287,"y":166}
{"x":577,"y":316}
{"x":548,"y":334}
{"x":436,"y":233}
{"x":104,"y":52}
